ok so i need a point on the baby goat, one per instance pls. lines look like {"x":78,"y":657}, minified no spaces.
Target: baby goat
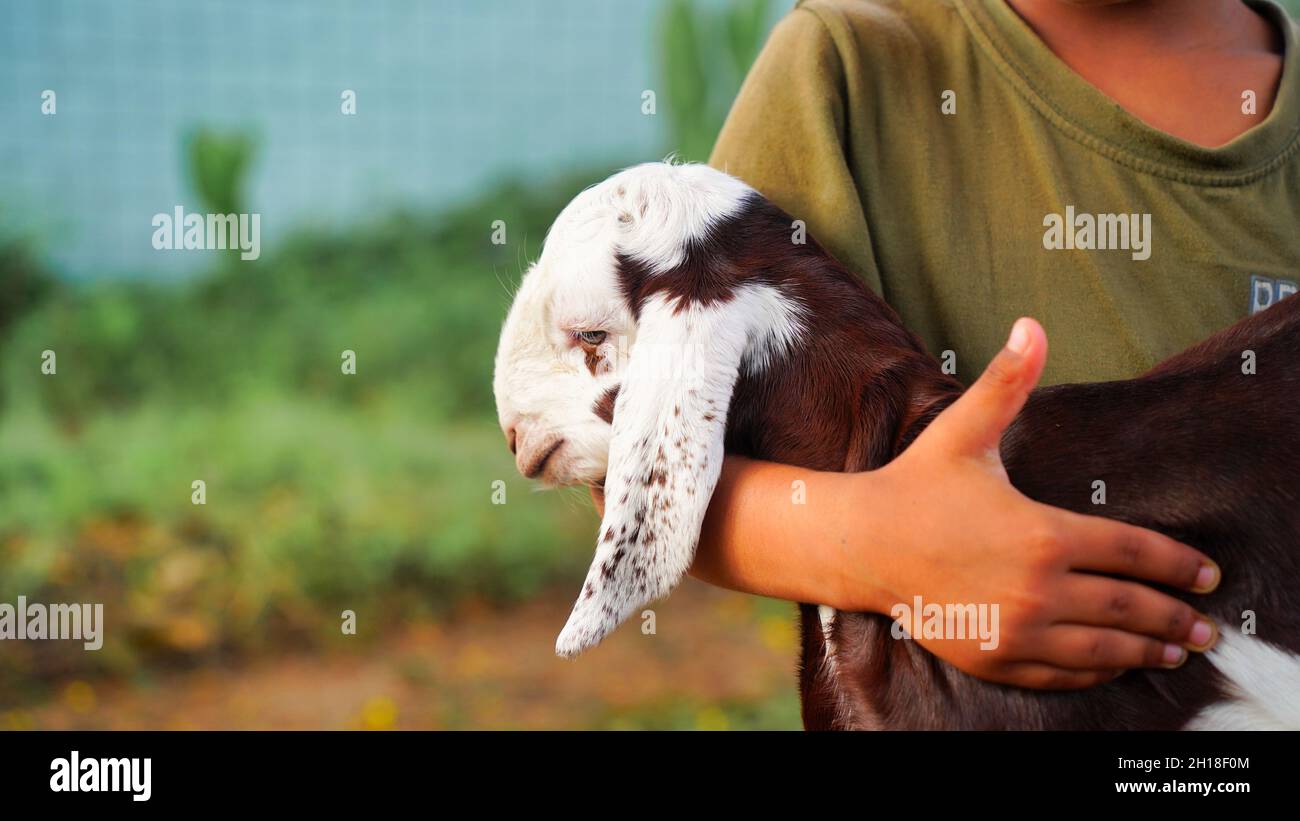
{"x":671,"y":318}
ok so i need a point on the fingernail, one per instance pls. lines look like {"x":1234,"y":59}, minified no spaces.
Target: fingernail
{"x":1174,"y":655}
{"x":1207,"y":578}
{"x":1019,"y":341}
{"x":1202,"y":635}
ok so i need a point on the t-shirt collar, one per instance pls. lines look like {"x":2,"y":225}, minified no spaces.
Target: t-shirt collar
{"x":1086,"y":113}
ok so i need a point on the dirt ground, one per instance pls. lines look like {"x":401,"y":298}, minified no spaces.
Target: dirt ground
{"x":716,"y":660}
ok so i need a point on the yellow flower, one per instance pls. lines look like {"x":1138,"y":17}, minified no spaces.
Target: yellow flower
{"x":379,"y":713}
{"x":79,"y":697}
{"x":711,"y":718}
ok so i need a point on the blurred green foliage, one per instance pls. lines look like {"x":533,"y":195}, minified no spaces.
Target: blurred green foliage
{"x":217,"y":166}
{"x":24,"y":281}
{"x":325,"y":491}
{"x":704,"y":53}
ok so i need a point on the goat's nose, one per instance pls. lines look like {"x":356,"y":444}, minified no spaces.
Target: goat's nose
{"x":510,"y":438}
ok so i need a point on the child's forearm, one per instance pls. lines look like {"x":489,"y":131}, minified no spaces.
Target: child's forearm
{"x":774,"y":530}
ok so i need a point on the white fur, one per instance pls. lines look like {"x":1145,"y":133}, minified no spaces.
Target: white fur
{"x":676,"y":367}
{"x":1264,"y":686}
{"x":775,"y":321}
{"x":543,"y":388}
{"x":827,"y":617}
{"x":665,"y":456}
{"x":665,"y":206}
{"x":666,"y":449}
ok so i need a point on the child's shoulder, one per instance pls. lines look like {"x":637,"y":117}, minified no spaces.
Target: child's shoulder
{"x":885,"y":17}
{"x":881,"y":29}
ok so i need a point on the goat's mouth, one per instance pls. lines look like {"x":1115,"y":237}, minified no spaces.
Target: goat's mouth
{"x":534,"y":468}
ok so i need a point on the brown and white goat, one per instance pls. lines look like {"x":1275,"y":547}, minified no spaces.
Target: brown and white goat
{"x":671,"y":319}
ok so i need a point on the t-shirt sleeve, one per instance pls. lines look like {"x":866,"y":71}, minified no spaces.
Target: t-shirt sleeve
{"x":785,"y":136}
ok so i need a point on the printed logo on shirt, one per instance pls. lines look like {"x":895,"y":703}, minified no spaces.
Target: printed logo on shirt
{"x":1266,"y":291}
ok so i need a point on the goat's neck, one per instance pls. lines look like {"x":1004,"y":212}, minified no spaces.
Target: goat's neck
{"x":855,"y":390}
{"x":908,"y":385}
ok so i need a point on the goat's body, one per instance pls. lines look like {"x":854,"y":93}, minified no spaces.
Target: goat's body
{"x":1195,"y":449}
{"x":800,"y":363}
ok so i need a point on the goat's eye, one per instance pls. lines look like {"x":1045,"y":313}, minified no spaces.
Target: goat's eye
{"x":590,"y":337}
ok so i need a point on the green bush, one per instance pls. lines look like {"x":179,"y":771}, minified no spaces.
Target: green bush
{"x":370,"y":492}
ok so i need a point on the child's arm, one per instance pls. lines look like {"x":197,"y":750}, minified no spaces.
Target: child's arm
{"x":943,"y":522}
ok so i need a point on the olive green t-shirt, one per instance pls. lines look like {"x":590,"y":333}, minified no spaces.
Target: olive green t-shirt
{"x":944,"y":153}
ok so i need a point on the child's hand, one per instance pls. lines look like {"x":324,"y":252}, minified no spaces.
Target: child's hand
{"x":961,"y":533}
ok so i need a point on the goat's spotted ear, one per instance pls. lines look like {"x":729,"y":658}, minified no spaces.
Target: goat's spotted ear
{"x":665,"y":455}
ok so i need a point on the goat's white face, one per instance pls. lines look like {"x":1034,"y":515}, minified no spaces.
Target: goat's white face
{"x":575,"y":337}
{"x":560,"y":346}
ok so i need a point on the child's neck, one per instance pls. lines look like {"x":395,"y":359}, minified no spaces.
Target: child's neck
{"x":1180,"y":66}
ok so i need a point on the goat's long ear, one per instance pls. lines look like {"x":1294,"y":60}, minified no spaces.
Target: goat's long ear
{"x":665,"y":455}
